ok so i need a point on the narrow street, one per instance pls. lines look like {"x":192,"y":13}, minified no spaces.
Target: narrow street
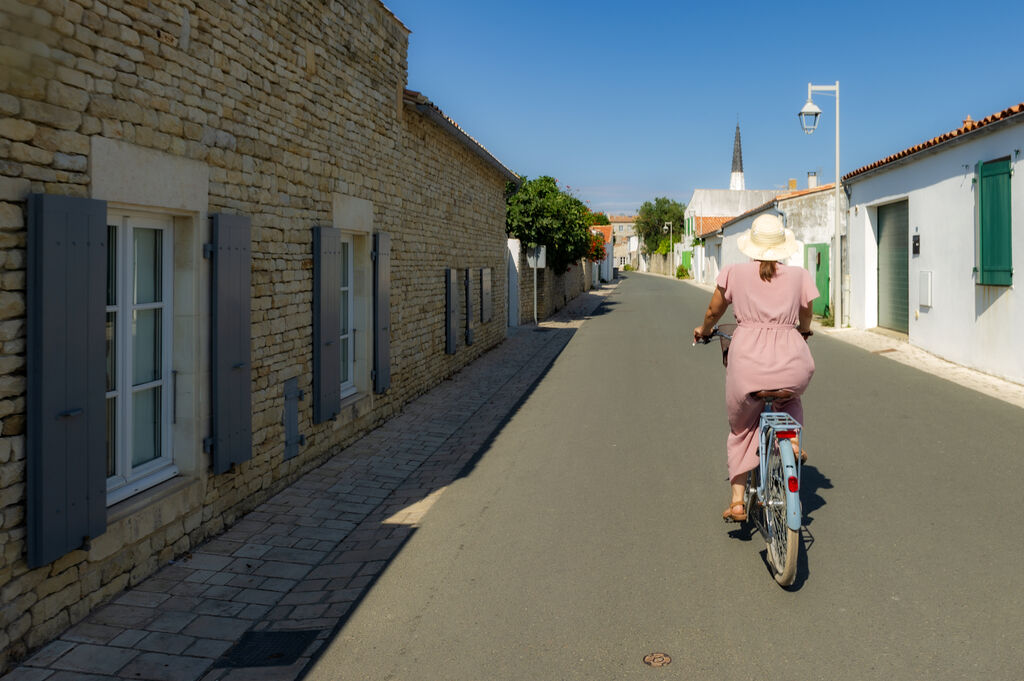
{"x":588,"y":535}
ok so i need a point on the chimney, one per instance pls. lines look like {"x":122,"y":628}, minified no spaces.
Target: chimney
{"x":792,"y":183}
{"x":812,"y":180}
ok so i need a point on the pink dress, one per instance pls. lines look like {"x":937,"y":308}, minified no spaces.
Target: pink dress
{"x":767,"y":351}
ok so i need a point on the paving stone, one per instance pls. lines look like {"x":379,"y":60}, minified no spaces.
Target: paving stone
{"x":49,"y":653}
{"x":123,"y":616}
{"x":91,"y":659}
{"x":209,"y":626}
{"x":208,"y":647}
{"x":145,"y":599}
{"x":258,"y":596}
{"x":283,"y":570}
{"x":128,"y":639}
{"x":161,"y":667}
{"x":171,"y":622}
{"x":213,"y":606}
{"x":160,"y":642}
{"x":27,"y":674}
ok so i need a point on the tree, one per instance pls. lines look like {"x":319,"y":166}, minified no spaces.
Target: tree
{"x":653,"y":216}
{"x":540,"y":214}
{"x":597,"y":218}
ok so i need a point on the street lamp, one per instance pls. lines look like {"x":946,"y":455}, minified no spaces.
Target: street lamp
{"x":808,"y":116}
{"x":667,"y":229}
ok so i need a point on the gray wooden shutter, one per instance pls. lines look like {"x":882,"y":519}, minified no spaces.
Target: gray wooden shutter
{"x":66,"y":436}
{"x":292,"y":437}
{"x":381,"y":312}
{"x":469,"y":306}
{"x":449,"y":311}
{"x":230,"y":358}
{"x":326,"y":323}
{"x":486,"y":301}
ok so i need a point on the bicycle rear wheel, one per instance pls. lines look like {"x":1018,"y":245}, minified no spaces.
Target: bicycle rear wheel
{"x":783,"y":543}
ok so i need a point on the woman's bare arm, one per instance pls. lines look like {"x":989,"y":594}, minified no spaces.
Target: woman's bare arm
{"x":806,"y":314}
{"x":716,"y":308}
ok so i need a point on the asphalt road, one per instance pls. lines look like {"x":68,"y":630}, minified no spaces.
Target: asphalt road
{"x":589,"y":534}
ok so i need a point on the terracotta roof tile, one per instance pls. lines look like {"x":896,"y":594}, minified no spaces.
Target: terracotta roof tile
{"x":604,"y":230}
{"x":968,"y":127}
{"x":704,"y":226}
{"x":622,"y":218}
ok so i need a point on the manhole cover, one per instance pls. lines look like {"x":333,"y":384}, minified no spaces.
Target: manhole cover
{"x":267,"y":648}
{"x":657,"y":660}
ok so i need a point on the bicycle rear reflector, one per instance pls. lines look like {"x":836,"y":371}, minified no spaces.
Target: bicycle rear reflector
{"x":785,"y":434}
{"x":794,"y":484}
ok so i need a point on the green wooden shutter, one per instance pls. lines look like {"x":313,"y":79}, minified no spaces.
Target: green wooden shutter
{"x":995,"y":264}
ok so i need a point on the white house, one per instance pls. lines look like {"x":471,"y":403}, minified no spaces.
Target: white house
{"x":810,"y":213}
{"x":935,"y":232}
{"x":705,"y":214}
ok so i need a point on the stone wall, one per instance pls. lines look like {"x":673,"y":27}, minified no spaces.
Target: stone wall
{"x":554,"y":291}
{"x":297,"y":113}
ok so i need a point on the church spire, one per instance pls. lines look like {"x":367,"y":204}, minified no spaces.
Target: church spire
{"x":736,"y":179}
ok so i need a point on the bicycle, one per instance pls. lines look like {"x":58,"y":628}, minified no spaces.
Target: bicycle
{"x":772,"y":493}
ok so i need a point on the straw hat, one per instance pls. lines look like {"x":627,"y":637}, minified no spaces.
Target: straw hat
{"x":768,"y":239}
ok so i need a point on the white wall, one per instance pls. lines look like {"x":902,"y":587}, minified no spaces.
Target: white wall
{"x":977,"y":326}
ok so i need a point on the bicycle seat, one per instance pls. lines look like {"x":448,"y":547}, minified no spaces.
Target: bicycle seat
{"x":777,"y":394}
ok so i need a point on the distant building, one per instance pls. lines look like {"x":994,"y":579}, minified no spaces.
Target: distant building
{"x":708,"y":209}
{"x":626,"y":247}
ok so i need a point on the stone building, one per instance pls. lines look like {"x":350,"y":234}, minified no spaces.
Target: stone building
{"x":231,"y":242}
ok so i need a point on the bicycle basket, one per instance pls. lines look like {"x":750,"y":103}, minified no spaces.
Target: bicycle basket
{"x":728,"y":330}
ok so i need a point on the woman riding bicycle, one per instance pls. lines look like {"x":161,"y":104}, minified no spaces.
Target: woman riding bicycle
{"x":772,"y":305}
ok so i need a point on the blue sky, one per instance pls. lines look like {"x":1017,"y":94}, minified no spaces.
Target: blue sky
{"x":626,"y":101}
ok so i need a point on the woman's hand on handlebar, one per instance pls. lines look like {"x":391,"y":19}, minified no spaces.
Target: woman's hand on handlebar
{"x":700,"y":336}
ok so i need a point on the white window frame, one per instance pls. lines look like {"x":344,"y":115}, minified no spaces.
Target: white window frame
{"x":347,"y":340}
{"x":129,"y":480}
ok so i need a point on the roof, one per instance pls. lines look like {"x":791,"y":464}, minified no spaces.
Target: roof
{"x":778,"y":199}
{"x":431,"y":111}
{"x":605,"y":230}
{"x":703,"y":226}
{"x":622,"y":218}
{"x":1015,"y":112}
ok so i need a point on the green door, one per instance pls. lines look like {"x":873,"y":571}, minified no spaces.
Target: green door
{"x":893,"y":267}
{"x":816,"y":262}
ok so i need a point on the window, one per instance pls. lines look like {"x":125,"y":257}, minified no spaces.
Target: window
{"x":995,"y":263}
{"x":138,"y":358}
{"x":347,"y":303}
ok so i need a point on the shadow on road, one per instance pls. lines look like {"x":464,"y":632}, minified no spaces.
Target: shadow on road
{"x":811,"y":483}
{"x":378,"y":539}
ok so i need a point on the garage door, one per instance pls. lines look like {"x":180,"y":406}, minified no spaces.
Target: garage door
{"x":893,"y":263}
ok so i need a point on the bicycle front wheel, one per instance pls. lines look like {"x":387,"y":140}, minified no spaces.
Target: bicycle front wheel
{"x":783,"y":543}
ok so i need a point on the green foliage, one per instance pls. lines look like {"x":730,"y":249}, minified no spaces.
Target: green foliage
{"x":539,"y":213}
{"x":682,"y":272}
{"x":597,"y":218}
{"x":651,"y":218}
{"x":627,"y":268}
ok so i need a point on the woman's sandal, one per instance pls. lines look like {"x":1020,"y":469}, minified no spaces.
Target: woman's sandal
{"x":730,"y":517}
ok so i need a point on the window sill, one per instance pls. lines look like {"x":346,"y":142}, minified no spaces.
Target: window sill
{"x":353,"y":407}
{"x":149,"y":497}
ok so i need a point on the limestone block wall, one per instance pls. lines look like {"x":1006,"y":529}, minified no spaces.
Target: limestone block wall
{"x":554,"y":291}
{"x":295,"y":111}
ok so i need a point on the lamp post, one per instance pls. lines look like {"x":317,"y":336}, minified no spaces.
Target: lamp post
{"x":667,"y":228}
{"x":808,"y":116}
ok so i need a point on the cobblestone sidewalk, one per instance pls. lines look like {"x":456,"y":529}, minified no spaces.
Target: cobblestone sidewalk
{"x":258,"y":602}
